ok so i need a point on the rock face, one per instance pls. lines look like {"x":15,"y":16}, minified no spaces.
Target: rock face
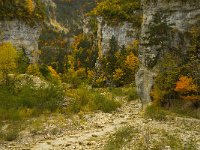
{"x":124,"y":33}
{"x":181,"y":15}
{"x":22,"y":36}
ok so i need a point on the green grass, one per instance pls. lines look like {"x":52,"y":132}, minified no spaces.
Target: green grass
{"x":178,"y":108}
{"x":170,"y":140}
{"x":132,"y":94}
{"x":91,"y":100}
{"x":184,"y":110}
{"x":29,"y":102}
{"x":121,"y":138}
{"x":129,"y":92}
{"x":155,"y":112}
{"x":11,"y":132}
{"x":103,"y":103}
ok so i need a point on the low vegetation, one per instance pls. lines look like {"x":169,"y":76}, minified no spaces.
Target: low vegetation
{"x":155,"y":112}
{"x":120,"y":138}
{"x":91,"y":100}
{"x":115,"y":11}
{"x":130,"y":138}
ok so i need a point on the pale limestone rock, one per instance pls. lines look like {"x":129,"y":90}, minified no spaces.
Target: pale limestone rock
{"x":22,"y":36}
{"x":182,"y":15}
{"x":125,"y":33}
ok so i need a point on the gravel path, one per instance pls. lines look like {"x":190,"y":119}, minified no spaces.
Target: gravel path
{"x":93,"y":131}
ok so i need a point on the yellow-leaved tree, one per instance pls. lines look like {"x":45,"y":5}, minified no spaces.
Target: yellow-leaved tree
{"x":8,"y":60}
{"x":30,"y":6}
{"x":132,"y":62}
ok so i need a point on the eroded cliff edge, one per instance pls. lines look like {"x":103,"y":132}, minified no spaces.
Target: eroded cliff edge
{"x":180,"y":16}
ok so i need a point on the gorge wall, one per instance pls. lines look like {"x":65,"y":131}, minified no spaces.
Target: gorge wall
{"x":124,"y":33}
{"x":181,"y":16}
{"x":64,"y":19}
{"x":22,"y":36}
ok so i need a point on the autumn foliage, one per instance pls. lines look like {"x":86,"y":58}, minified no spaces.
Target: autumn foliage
{"x":185,"y":85}
{"x":187,"y":89}
{"x":8,"y":60}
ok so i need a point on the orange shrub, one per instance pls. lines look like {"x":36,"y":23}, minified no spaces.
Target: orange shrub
{"x":187,"y":89}
{"x":185,"y":85}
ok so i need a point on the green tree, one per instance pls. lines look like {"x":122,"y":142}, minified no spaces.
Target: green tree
{"x":159,"y":34}
{"x":110,"y":58}
{"x":85,"y":52}
{"x":165,"y":81}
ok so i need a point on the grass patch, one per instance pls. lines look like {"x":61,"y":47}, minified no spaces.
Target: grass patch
{"x":29,"y":102}
{"x":121,"y":138}
{"x":129,"y":92}
{"x":10,"y":135}
{"x":100,"y":102}
{"x":185,"y":109}
{"x":160,"y":141}
{"x":117,"y":91}
{"x":132,"y":94}
{"x":187,"y":112}
{"x":172,"y":141}
{"x":11,"y":132}
{"x":91,"y":100}
{"x":155,"y":112}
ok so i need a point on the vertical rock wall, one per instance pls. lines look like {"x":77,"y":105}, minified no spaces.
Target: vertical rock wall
{"x":21,"y":36}
{"x":181,"y":15}
{"x":124,"y":33}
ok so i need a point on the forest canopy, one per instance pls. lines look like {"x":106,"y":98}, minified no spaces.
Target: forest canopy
{"x":119,"y":10}
{"x":30,"y":11}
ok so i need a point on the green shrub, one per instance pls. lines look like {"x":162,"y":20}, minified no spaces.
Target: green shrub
{"x":23,"y":62}
{"x":132,"y":94}
{"x":117,"y":91}
{"x":103,"y":103}
{"x":11,"y":135}
{"x":80,"y":101}
{"x":119,"y":139}
{"x":155,"y":112}
{"x":29,"y":101}
{"x":33,"y":69}
{"x":89,"y":100}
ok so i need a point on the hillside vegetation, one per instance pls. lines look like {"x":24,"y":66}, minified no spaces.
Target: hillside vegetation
{"x":73,"y":98}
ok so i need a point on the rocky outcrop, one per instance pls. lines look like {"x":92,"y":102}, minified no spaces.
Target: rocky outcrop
{"x":124,"y":33}
{"x":51,"y":20}
{"x":181,"y":15}
{"x":22,"y":36}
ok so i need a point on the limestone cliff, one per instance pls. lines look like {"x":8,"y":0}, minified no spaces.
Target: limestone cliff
{"x":177,"y":16}
{"x":124,"y":33}
{"x":181,"y":15}
{"x":22,"y":36}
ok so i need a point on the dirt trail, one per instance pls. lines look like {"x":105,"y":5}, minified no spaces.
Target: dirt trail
{"x":96,"y":130}
{"x":93,"y":131}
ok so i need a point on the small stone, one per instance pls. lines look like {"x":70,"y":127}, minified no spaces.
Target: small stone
{"x":94,"y":135}
{"x":68,"y":144}
{"x":49,"y":143}
{"x":80,"y":143}
{"x":167,"y":148}
{"x":88,"y":143}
